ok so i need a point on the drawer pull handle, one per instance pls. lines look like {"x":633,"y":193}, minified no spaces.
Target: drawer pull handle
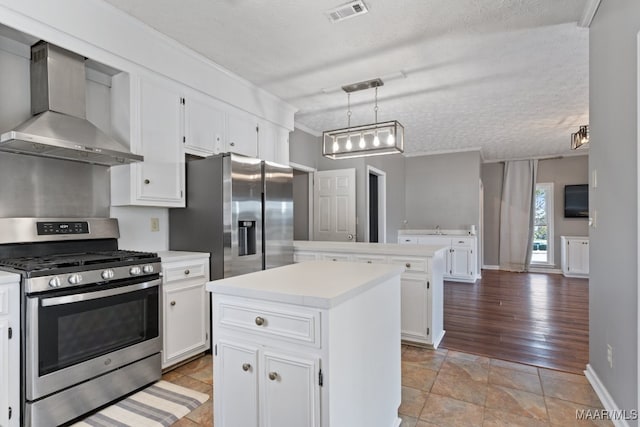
{"x":246,"y":367}
{"x":187,"y":272}
{"x":146,"y":181}
{"x":273,"y":376}
{"x":172,"y":303}
{"x":369,"y":262}
{"x":233,"y":144}
{"x":259,"y":321}
{"x":334,"y":259}
{"x":408,"y":265}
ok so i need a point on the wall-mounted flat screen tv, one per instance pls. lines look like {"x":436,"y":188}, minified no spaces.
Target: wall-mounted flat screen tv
{"x":576,"y":201}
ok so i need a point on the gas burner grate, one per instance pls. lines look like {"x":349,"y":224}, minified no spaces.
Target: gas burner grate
{"x":50,"y":262}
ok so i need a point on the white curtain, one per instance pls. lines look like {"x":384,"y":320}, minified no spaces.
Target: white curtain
{"x":516,"y":214}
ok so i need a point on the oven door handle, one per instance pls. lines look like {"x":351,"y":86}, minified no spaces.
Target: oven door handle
{"x":69,"y":299}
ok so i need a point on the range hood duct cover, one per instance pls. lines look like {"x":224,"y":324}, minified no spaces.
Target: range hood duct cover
{"x":58,"y":128}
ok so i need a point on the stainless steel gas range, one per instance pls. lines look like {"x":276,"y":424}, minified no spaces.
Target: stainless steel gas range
{"x":90,"y":315}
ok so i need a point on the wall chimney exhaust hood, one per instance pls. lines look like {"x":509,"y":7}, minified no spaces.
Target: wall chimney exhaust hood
{"x":59,"y":128}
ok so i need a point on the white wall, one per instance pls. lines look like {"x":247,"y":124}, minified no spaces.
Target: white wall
{"x":613,"y":283}
{"x":443,"y":190}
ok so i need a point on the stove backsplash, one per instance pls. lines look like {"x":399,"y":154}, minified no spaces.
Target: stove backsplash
{"x":40,"y":187}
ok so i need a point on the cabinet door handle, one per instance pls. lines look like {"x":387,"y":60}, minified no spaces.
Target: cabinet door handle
{"x":408,"y":265}
{"x":369,"y":262}
{"x":273,"y":376}
{"x":246,"y":367}
{"x":172,"y":303}
{"x":334,"y":259}
{"x":259,"y":321}
{"x":187,"y":272}
{"x":233,"y":144}
{"x":146,"y":181}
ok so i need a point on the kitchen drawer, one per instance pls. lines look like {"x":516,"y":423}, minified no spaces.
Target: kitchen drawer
{"x":408,"y":240}
{"x":4,"y":300}
{"x":335,"y":257}
{"x":270,"y":320}
{"x":304,"y":256}
{"x":186,"y":270}
{"x":462,"y":241}
{"x":411,"y":264}
{"x":370,"y":259}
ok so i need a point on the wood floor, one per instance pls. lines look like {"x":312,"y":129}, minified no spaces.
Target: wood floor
{"x":536,"y":319}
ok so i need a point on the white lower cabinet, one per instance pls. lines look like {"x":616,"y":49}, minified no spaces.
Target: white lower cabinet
{"x":185,"y":308}
{"x":461,"y":256}
{"x":574,"y":256}
{"x":420,"y":285}
{"x":10,"y":354}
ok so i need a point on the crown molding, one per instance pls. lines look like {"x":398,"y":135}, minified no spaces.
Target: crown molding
{"x":588,"y":13}
{"x":453,"y":151}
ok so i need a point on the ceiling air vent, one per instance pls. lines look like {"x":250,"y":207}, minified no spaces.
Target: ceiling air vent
{"x":347,"y":11}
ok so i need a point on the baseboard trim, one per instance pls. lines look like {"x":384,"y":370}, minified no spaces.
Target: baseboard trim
{"x":606,"y":399}
{"x":545,"y":270}
{"x":491,"y":267}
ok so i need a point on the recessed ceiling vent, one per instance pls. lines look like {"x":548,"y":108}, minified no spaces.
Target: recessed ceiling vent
{"x":347,"y":11}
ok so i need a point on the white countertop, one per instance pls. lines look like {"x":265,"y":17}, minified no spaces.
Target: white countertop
{"x":427,"y":232}
{"x":170,"y":256}
{"x":362,"y":247}
{"x":320,"y":284}
{"x":8,"y":278}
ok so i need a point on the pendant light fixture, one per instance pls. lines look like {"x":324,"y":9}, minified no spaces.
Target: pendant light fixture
{"x":366,"y":140}
{"x":580,"y":138}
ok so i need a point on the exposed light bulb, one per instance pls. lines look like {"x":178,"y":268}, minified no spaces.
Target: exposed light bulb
{"x":391,"y":139}
{"x":362,"y":143}
{"x":348,"y":145}
{"x":376,"y":140}
{"x":336,"y":147}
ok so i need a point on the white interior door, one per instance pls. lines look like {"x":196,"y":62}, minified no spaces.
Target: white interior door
{"x":334,"y":193}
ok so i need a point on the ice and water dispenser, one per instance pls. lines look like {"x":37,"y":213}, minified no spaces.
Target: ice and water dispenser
{"x":246,"y":238}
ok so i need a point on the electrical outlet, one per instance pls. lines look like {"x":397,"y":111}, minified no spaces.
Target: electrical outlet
{"x":155,"y":224}
{"x":610,"y":355}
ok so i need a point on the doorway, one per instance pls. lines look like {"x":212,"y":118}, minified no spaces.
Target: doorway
{"x":376,"y":205}
{"x":302,"y":202}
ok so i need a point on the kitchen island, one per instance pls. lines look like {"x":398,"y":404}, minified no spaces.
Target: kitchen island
{"x":313,"y":344}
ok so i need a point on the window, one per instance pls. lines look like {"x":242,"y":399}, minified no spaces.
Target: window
{"x":543,"y":225}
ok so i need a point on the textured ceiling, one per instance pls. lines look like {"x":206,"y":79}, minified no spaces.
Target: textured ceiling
{"x":507,"y":76}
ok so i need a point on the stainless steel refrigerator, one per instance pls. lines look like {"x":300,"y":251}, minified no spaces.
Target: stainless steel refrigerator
{"x":239,"y":209}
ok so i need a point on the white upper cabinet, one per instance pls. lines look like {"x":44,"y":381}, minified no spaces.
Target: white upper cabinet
{"x":153,"y":124}
{"x":273,"y":143}
{"x":242,"y":133}
{"x":204,"y":125}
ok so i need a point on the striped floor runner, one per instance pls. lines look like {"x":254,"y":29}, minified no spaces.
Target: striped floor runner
{"x":160,"y":404}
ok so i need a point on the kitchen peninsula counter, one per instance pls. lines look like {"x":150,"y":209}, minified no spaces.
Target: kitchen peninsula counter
{"x":302,"y":345}
{"x":421,"y":284}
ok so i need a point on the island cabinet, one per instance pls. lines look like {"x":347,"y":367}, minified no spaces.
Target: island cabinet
{"x":314,"y":344}
{"x":185,"y":306}
{"x":420,"y":284}
{"x":574,"y":256}
{"x":9,"y":349}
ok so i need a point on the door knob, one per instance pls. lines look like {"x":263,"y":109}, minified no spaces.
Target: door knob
{"x":146,"y":181}
{"x":246,"y":367}
{"x":349,"y":236}
{"x":273,"y":376}
{"x":173,"y":303}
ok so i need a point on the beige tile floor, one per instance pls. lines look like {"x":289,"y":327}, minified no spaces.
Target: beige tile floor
{"x":450,"y":388}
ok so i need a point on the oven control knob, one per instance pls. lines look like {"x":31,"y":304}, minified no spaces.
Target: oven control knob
{"x":135,"y":271}
{"x":108,"y":274}
{"x":54,"y":282}
{"x":148,"y":268}
{"x":75,"y":279}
